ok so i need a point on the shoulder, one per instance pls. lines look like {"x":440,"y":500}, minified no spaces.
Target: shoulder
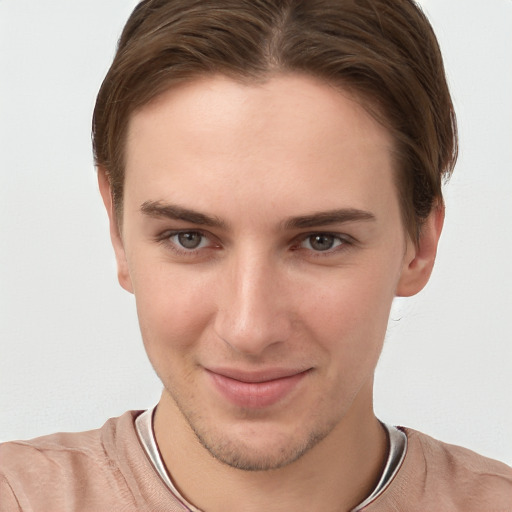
{"x":457,"y":459}
{"x":462,"y":478}
{"x":440,"y":476}
{"x":60,"y":467}
{"x":62,"y":451}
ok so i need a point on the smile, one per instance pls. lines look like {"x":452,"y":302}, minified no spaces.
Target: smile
{"x":255,"y":390}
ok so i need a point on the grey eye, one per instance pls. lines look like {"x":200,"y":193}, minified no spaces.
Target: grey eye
{"x":190,"y":239}
{"x":322,"y":242}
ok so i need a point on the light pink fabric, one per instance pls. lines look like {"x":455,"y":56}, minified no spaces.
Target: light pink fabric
{"x":439,"y":477}
{"x":101,"y":470}
{"x":107,"y":470}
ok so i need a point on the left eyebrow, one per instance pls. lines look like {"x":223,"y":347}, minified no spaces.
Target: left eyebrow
{"x":328,"y":217}
{"x":158,"y":209}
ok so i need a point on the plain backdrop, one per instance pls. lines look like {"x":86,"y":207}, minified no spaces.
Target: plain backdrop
{"x":70,"y":349}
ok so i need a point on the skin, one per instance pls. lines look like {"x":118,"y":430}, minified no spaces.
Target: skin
{"x":272,"y":287}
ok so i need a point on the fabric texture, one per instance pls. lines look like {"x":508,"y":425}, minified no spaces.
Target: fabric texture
{"x":108,"y":470}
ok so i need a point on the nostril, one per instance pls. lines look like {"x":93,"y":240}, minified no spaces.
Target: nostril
{"x":251,"y":338}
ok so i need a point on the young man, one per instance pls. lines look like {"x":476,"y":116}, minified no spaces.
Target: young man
{"x":272,"y":173}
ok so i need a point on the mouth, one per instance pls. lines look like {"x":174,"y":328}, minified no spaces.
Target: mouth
{"x":255,"y":390}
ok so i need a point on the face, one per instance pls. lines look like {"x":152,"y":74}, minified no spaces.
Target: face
{"x":263,"y":241}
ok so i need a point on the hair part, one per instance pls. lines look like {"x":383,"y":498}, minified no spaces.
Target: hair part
{"x":384,"y":52}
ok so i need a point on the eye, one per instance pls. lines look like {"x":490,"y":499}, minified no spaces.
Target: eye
{"x":189,"y":240}
{"x":190,"y":245}
{"x":321,"y":242}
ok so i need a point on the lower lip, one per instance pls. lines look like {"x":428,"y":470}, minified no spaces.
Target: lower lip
{"x":255,"y":395}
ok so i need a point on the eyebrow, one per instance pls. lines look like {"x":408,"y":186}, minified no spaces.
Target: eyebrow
{"x":158,"y":209}
{"x":329,"y":217}
{"x":171,"y":211}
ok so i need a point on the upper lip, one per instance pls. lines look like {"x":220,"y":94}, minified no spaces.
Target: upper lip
{"x":255,"y":376}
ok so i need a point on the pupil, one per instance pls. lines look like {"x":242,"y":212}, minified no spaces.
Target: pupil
{"x":189,"y":240}
{"x":322,"y":242}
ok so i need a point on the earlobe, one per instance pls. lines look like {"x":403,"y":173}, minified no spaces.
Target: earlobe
{"x":123,"y":273}
{"x":419,"y":258}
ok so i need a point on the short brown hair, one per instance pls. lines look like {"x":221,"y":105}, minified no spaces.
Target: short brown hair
{"x":384,"y":51}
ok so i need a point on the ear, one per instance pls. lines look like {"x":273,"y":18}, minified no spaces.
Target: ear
{"x":123,"y":273}
{"x":420,"y":257}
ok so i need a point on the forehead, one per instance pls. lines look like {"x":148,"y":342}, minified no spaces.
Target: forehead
{"x":299,"y":142}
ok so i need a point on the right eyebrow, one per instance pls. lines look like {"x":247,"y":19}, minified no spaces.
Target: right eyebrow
{"x":159,"y":209}
{"x":329,"y":217}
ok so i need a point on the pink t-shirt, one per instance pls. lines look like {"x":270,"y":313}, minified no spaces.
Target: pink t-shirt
{"x":108,"y":470}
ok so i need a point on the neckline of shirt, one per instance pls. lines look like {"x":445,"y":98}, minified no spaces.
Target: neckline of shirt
{"x":397,"y":450}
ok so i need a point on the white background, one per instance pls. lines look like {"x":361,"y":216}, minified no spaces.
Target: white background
{"x":70,"y":349}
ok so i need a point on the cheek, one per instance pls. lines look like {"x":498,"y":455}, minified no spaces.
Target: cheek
{"x":350,"y":316}
{"x":173,"y":306}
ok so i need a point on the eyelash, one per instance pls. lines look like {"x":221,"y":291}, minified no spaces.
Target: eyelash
{"x":345,"y":242}
{"x":166,"y":237}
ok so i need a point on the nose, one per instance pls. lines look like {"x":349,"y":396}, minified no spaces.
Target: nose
{"x":254,"y":312}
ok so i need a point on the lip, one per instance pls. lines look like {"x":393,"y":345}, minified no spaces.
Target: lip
{"x":255,"y":390}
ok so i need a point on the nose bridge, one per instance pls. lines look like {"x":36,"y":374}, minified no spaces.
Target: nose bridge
{"x":251,"y":313}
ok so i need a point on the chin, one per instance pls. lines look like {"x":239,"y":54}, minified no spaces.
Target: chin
{"x":249,"y":456}
{"x":258,"y":447}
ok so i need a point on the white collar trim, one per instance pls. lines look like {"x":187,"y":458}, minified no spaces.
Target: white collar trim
{"x":397,"y":450}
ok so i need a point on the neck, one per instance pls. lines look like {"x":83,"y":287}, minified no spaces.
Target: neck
{"x":337,"y":474}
